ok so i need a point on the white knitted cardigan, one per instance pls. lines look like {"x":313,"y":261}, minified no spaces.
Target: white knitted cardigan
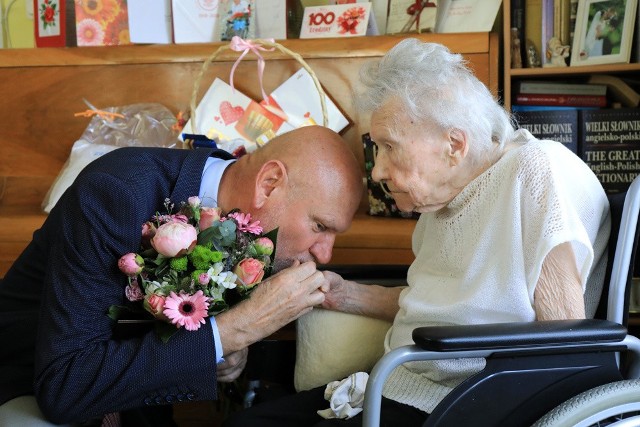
{"x":478,"y":259}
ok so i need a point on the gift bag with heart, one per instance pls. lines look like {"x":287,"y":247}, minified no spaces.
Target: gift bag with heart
{"x":238,"y":124}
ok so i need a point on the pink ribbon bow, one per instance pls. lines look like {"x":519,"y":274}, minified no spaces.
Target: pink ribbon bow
{"x":238,"y":44}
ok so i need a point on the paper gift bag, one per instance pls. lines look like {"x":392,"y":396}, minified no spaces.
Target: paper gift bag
{"x":232,"y":119}
{"x":306,"y":109}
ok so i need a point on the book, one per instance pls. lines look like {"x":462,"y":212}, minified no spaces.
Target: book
{"x":557,"y":87}
{"x":610,"y":145}
{"x":533,"y":30}
{"x":556,"y":125}
{"x":516,"y":108}
{"x":517,"y":22}
{"x":618,"y":89}
{"x":561,"y":99}
{"x":50,"y":23}
{"x":546,"y":31}
{"x":562,"y":20}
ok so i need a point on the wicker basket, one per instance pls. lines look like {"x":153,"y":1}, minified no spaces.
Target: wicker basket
{"x":259,"y":44}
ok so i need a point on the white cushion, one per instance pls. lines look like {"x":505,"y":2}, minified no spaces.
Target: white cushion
{"x":332,"y":345}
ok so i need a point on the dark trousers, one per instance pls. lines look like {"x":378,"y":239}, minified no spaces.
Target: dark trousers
{"x":299,"y":410}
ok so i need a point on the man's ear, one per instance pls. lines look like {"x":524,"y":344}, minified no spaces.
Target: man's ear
{"x":458,"y":146}
{"x":271,"y":176}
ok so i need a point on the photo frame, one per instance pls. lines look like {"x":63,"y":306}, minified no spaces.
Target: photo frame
{"x":604,"y":32}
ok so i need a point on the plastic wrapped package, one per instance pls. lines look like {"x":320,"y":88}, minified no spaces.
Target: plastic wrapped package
{"x":135,"y":125}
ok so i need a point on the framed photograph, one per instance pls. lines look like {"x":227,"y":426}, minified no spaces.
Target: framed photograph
{"x":604,"y":32}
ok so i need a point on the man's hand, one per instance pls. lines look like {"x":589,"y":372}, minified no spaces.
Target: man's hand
{"x":232,"y":366}
{"x":274,"y":303}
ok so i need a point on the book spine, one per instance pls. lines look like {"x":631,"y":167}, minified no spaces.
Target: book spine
{"x":564,"y":89}
{"x":517,"y":22}
{"x":610,"y":145}
{"x":559,"y":125}
{"x":548,"y":20}
{"x":569,"y":100}
{"x":533,"y":30}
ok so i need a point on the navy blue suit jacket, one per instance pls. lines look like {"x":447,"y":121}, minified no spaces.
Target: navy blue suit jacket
{"x":55,"y":333}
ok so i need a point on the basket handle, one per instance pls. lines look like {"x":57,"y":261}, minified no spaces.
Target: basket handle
{"x":262,"y":42}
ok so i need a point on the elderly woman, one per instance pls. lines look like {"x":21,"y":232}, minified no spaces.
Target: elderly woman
{"x":511,"y":228}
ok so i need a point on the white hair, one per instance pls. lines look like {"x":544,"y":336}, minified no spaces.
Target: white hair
{"x":436,"y":86}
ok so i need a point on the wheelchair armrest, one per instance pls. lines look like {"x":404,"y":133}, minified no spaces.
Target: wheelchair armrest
{"x":517,"y":334}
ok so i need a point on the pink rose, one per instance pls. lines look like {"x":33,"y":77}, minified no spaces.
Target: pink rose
{"x":148,"y":231}
{"x":133,"y":291}
{"x":208,"y":216}
{"x":154,"y":304}
{"x":174,"y":239}
{"x":250,"y":272}
{"x":263,"y":246}
{"x":131,"y":264}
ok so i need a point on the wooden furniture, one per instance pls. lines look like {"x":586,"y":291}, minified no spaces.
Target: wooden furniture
{"x":513,"y":75}
{"x":41,"y":89}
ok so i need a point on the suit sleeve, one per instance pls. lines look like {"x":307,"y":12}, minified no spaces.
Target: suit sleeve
{"x":81,"y":371}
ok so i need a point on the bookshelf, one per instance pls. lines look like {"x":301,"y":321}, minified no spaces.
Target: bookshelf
{"x":513,"y":75}
{"x":42,"y":89}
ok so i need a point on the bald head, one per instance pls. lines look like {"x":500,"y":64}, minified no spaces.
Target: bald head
{"x":306,"y":182}
{"x":314,"y":155}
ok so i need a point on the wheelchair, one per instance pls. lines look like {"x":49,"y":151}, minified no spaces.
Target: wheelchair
{"x":552,"y":373}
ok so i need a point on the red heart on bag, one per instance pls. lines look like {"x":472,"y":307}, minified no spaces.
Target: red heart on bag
{"x":230,"y":114}
{"x":307,"y":114}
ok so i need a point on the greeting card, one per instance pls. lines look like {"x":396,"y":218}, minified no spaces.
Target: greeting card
{"x":102,"y":23}
{"x":303,"y":110}
{"x":150,"y":21}
{"x":50,"y":23}
{"x":340,"y":20}
{"x":233,"y":119}
{"x":236,"y":18}
{"x":195,"y":21}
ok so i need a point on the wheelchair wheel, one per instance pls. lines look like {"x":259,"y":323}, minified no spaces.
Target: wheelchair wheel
{"x":615,"y":404}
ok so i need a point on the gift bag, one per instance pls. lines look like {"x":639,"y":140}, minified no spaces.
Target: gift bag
{"x":238,"y":124}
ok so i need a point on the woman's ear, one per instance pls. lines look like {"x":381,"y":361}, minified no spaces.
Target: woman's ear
{"x":271,"y":177}
{"x":458,"y":146}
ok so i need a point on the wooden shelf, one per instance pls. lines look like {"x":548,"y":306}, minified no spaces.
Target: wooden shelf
{"x":548,"y":72}
{"x":43,"y":88}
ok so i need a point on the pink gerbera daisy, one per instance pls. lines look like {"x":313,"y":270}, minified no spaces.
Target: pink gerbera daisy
{"x":245,"y":224}
{"x":186,"y":310}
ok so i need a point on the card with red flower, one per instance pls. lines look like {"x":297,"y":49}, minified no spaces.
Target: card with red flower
{"x":102,"y":22}
{"x":50,"y":26}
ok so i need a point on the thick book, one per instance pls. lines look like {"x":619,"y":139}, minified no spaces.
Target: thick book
{"x":548,"y":87}
{"x":556,"y":125}
{"x":517,"y":107}
{"x":562,"y":100}
{"x":610,"y":145}
{"x":618,"y":89}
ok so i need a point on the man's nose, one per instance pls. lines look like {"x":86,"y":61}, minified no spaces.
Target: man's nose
{"x":322,"y":250}
{"x":378,"y":173}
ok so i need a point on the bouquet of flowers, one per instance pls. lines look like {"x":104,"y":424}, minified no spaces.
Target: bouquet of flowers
{"x":193,"y":264}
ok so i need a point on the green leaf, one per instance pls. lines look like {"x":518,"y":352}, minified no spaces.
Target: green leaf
{"x":165,"y":331}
